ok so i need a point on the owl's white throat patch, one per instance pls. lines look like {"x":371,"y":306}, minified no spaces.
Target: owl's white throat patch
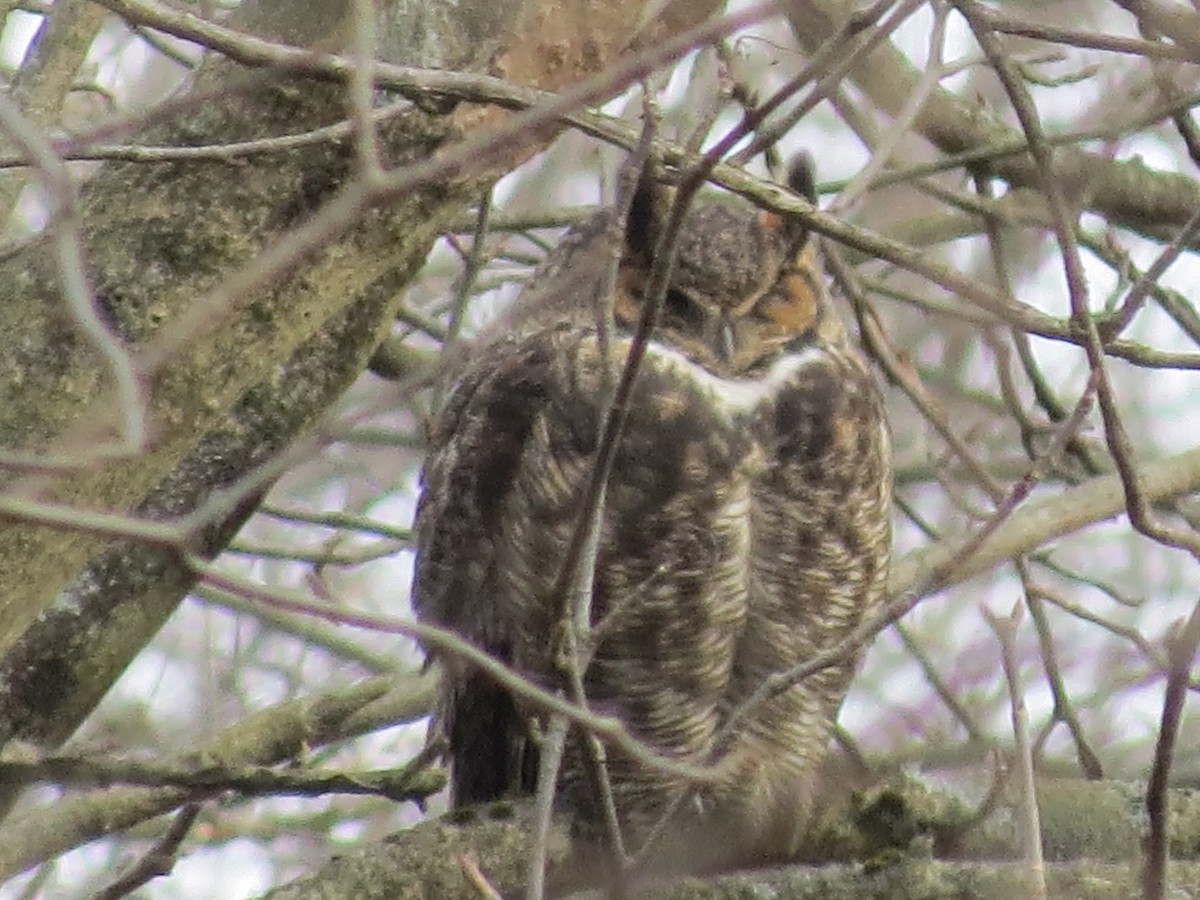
{"x":736,"y":396}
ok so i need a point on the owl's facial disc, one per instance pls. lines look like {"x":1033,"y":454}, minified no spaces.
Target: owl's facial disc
{"x":794,"y":304}
{"x":687,"y":315}
{"x":745,"y":286}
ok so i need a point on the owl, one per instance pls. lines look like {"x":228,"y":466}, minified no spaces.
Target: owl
{"x":745,"y":525}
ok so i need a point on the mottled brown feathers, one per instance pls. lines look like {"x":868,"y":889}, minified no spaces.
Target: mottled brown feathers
{"x":745,"y":528}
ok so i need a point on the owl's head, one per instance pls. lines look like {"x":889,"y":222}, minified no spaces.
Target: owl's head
{"x":747,"y":284}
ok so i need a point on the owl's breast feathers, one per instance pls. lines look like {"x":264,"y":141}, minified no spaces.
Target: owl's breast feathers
{"x":745,"y":528}
{"x":746,"y":525}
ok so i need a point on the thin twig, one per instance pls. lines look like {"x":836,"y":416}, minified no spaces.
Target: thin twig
{"x":975,"y":733}
{"x":576,"y":578}
{"x":449,"y":643}
{"x":368,"y":158}
{"x":478,"y":881}
{"x":933,"y":578}
{"x":1117,"y":438}
{"x":1031,"y":830}
{"x":1181,"y":651}
{"x":1063,"y":710}
{"x":851,"y":195}
{"x":832,"y":60}
{"x":155,"y":862}
{"x":476,"y":259}
{"x":205,"y":776}
{"x":67,"y":242}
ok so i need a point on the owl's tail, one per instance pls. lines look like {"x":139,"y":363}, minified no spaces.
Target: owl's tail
{"x":491,"y":755}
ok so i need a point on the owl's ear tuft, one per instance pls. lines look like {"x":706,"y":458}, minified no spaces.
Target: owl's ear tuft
{"x":646,"y":211}
{"x":801,"y":181}
{"x":800,"y":177}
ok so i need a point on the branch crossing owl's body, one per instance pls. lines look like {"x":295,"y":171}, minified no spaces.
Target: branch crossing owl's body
{"x":745,"y":528}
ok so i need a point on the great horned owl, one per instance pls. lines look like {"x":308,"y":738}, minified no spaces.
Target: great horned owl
{"x":746,"y":525}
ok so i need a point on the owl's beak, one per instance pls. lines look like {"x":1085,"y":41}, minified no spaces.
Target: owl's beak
{"x":720,"y":336}
{"x":726,"y":342}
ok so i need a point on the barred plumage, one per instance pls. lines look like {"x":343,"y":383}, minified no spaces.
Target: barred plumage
{"x":746,"y":525}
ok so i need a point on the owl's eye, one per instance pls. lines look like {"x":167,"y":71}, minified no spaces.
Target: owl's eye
{"x":681,"y":312}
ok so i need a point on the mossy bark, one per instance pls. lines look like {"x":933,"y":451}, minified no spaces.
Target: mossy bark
{"x":75,"y":607}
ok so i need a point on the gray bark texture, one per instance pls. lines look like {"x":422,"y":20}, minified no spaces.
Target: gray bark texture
{"x":76,"y":607}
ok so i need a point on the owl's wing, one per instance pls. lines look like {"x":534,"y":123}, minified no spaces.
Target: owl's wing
{"x":508,"y":458}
